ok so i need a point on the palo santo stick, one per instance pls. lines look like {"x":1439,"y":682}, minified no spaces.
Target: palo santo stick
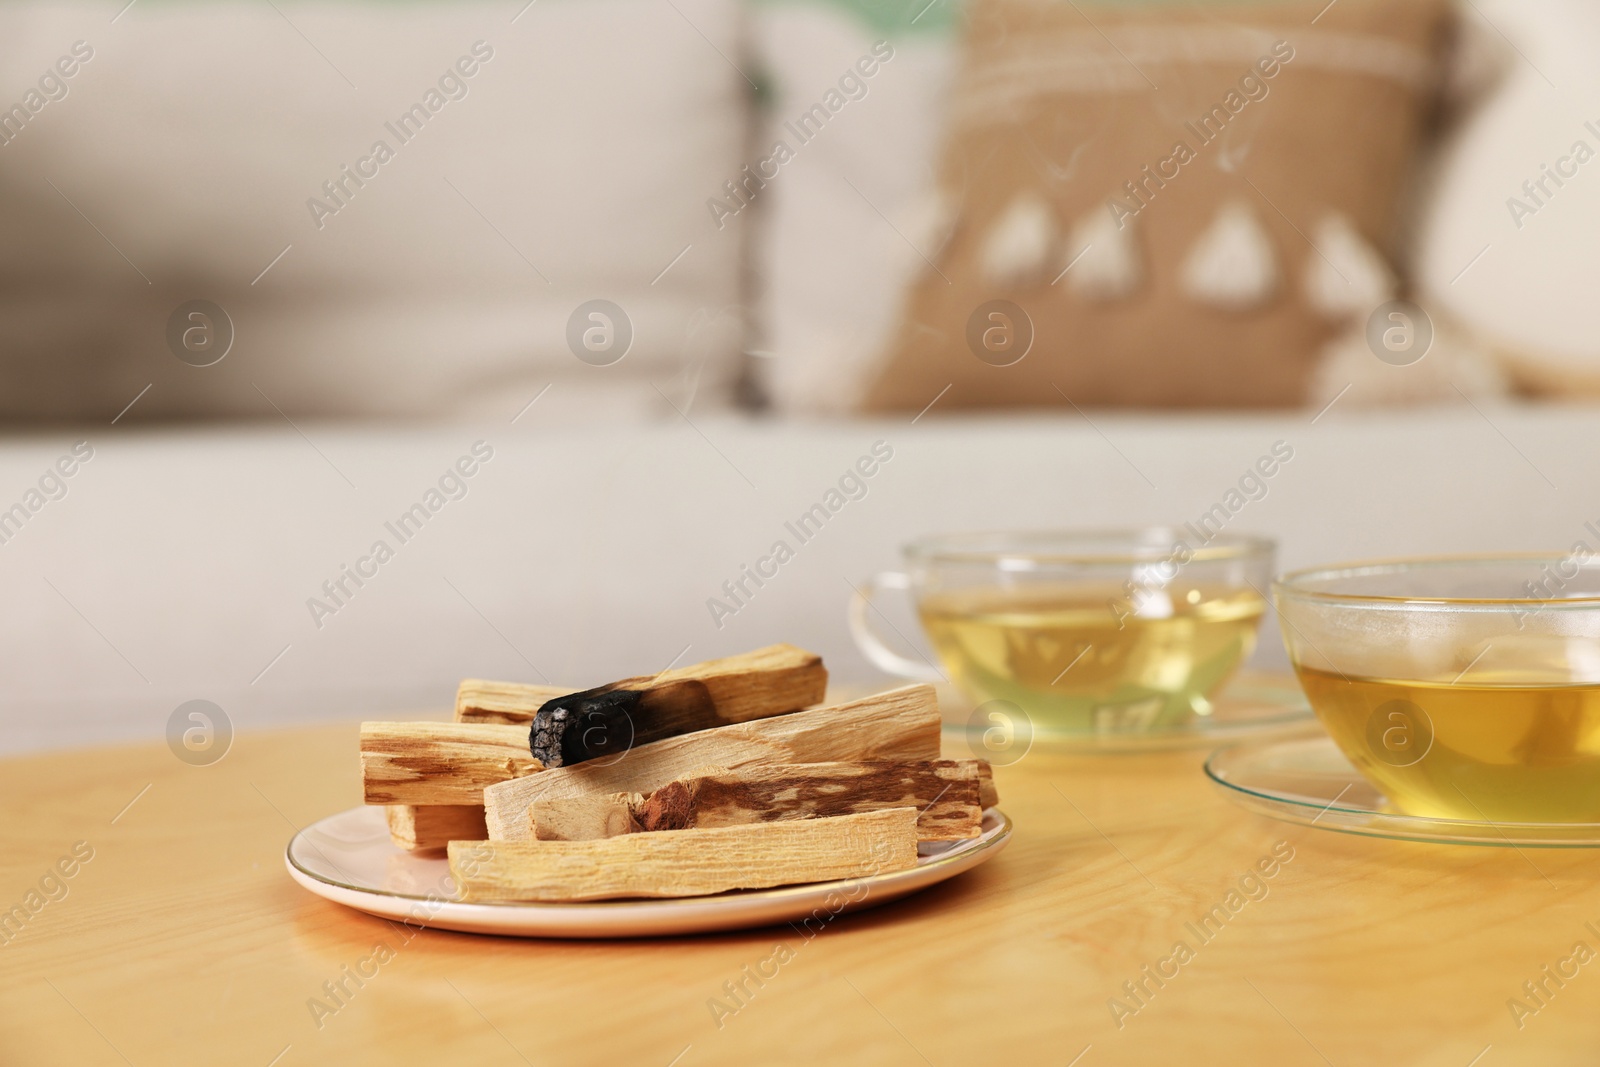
{"x":988,"y":795}
{"x":587,"y":818}
{"x":689,"y":863}
{"x":424,"y":827}
{"x":899,"y":724}
{"x":943,"y":792}
{"x":636,"y":711}
{"x":594,"y":816}
{"x":440,"y":762}
{"x":508,"y":703}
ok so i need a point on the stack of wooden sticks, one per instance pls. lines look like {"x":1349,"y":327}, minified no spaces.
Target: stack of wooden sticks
{"x":722,"y":775}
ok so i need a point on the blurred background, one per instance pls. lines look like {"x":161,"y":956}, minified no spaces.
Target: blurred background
{"x":277,"y":274}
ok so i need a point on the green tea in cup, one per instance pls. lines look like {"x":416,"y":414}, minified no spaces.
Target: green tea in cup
{"x":1089,"y":633}
{"x":1460,"y":687}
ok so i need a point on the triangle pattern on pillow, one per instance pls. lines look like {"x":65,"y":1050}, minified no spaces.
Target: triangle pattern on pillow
{"x":1233,"y":265}
{"x":1103,"y":257}
{"x":1017,"y":251}
{"x":1346,"y":277}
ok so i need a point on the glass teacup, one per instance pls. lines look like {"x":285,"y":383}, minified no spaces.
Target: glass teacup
{"x":1087,"y":632}
{"x":1462,"y":688}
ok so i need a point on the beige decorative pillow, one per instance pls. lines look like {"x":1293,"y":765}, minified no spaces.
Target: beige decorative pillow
{"x":1164,"y":204}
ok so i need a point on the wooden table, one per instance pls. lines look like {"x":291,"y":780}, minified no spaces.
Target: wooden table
{"x":184,"y":941}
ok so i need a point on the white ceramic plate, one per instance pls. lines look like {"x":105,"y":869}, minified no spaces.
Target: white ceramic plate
{"x":348,"y":858}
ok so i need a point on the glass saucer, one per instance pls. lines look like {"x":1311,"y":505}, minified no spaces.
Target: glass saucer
{"x":1251,"y":707}
{"x":1309,"y":782}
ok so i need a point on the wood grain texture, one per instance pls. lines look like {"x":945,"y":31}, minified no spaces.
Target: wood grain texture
{"x":184,"y":941}
{"x":430,"y":827}
{"x":752,"y":685}
{"x":988,"y":793}
{"x":899,"y":724}
{"x":507,"y":703}
{"x":688,"y":863}
{"x":440,"y":762}
{"x":585,"y":818}
{"x":944,"y":794}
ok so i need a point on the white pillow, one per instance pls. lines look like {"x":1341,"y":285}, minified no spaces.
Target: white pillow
{"x":847,"y":220}
{"x":1508,"y":247}
{"x":572,"y":164}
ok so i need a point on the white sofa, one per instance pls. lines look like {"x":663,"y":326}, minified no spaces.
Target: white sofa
{"x":179,"y":563}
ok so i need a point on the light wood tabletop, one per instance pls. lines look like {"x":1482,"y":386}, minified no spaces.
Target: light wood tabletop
{"x":179,"y":938}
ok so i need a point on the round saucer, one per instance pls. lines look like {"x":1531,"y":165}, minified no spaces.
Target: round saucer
{"x":1251,"y":707}
{"x":1309,"y":782}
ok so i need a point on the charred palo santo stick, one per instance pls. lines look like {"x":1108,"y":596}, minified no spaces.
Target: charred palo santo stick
{"x":511,"y":703}
{"x":688,"y":863}
{"x":899,"y":724}
{"x":943,"y":792}
{"x":636,"y":711}
{"x":440,"y":762}
{"x":422,"y":827}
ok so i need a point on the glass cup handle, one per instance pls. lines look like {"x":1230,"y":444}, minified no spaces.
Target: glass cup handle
{"x":883,"y":657}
